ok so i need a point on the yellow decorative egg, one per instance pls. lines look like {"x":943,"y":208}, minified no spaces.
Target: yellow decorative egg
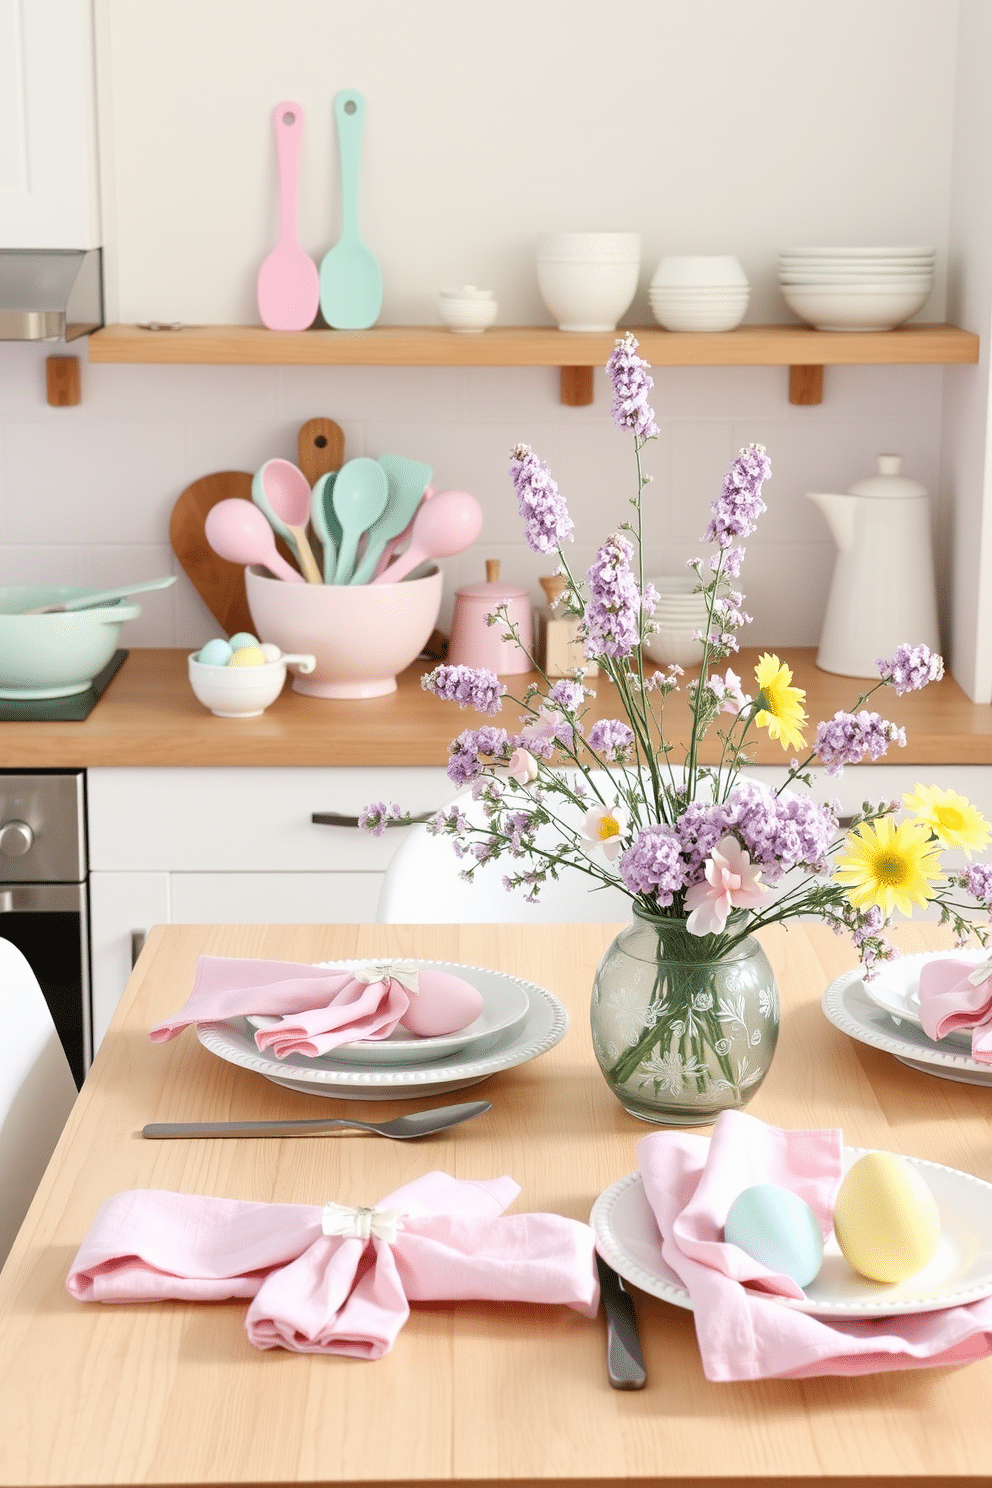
{"x":247,"y":656}
{"x":885,"y":1218}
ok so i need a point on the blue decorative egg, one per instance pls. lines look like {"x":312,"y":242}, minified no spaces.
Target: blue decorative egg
{"x":775,"y":1226}
{"x":215,"y":653}
{"x":242,"y":638}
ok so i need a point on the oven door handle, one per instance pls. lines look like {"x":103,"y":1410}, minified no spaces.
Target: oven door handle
{"x":41,"y":898}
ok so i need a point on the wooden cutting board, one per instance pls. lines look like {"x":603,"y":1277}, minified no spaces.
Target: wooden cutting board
{"x":221,"y":585}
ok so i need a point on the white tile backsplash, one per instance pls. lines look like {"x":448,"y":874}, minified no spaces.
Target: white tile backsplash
{"x":86,"y":492}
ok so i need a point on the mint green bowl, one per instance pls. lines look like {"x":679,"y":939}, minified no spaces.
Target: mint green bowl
{"x":51,"y":656}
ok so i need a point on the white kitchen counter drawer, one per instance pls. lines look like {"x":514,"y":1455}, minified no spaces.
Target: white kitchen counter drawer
{"x":243,"y":820}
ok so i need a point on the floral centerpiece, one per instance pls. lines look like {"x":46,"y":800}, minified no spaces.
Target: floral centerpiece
{"x":685,"y":1009}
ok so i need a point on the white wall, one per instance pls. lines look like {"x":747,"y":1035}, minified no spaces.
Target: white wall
{"x":710,"y":126}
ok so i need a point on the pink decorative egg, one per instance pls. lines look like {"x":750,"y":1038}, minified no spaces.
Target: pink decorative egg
{"x":444,"y":1004}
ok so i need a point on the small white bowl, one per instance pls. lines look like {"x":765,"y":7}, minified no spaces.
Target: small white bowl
{"x":587,"y":296}
{"x":468,"y":314}
{"x":674,"y":645}
{"x":242,"y":692}
{"x":853,"y":308}
{"x":696,"y":318}
{"x":678,"y":270}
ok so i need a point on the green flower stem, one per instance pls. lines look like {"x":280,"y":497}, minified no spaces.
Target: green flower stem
{"x":701,"y":1027}
{"x":714,"y":589}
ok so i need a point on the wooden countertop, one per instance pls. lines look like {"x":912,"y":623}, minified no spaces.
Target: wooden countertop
{"x":149,"y":716}
{"x":472,"y":1394}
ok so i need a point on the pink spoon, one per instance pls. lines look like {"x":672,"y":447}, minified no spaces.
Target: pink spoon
{"x":280,"y":490}
{"x":237,"y":531}
{"x":402,"y":537}
{"x":447,"y":524}
{"x":288,"y":281}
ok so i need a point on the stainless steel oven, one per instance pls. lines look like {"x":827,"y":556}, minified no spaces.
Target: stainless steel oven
{"x":44,"y":903}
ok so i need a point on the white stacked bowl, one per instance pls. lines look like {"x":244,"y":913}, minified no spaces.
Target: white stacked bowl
{"x":699,"y":292}
{"x":588,"y":279}
{"x":856,"y":289}
{"x":678,"y":613}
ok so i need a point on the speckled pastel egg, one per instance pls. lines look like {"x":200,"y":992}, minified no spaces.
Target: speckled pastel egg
{"x":270,"y":651}
{"x":242,"y":638}
{"x":247,"y":656}
{"x":214,"y":653}
{"x":886,"y":1218}
{"x":776,"y":1227}
{"x":442,"y":1004}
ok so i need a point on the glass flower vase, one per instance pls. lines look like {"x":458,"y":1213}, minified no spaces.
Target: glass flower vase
{"x":682,"y":1029}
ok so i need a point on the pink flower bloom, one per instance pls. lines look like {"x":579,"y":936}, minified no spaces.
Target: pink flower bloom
{"x":522,"y":767}
{"x":732,"y":882}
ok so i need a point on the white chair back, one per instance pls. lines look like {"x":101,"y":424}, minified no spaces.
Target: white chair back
{"x":37,"y":1090}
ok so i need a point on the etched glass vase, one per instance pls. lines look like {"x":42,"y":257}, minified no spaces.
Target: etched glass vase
{"x":682,"y":1034}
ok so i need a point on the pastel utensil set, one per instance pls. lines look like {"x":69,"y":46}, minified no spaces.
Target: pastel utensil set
{"x":348,"y":286}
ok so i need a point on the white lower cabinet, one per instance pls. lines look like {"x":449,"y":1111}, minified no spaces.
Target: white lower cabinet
{"x":205,"y":846}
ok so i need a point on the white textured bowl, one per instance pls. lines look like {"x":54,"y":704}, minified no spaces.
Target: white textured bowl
{"x":360,"y":634}
{"x":589,"y":247}
{"x":853,"y":308}
{"x":678,"y":270}
{"x":240,"y":692}
{"x":587,"y":296}
{"x":468,"y":316}
{"x":697,"y":317}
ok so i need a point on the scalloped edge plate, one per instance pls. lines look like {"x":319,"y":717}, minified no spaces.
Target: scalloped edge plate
{"x":848,"y":1007}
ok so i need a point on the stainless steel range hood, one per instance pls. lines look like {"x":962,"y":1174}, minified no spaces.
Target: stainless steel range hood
{"x":50,"y":295}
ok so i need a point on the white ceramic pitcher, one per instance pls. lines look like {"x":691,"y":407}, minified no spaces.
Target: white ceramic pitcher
{"x":883,"y":590}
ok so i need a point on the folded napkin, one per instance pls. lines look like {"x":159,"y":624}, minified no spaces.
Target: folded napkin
{"x":743,"y":1333}
{"x":336,"y":1280}
{"x":320,"y":1007}
{"x":958,"y":994}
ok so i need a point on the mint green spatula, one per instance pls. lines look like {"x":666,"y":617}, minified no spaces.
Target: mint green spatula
{"x":350,"y":278}
{"x":407,"y":481}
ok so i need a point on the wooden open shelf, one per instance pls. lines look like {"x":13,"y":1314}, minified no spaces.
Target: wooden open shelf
{"x":804,"y":351}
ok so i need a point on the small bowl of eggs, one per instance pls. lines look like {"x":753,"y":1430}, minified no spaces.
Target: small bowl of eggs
{"x":240,"y":677}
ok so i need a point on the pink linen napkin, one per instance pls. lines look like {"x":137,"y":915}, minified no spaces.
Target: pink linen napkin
{"x":320,"y":1007}
{"x":743,"y":1333}
{"x":958,"y":994}
{"x":336,"y":1280}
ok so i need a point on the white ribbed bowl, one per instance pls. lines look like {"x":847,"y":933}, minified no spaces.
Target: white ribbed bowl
{"x":698,"y":269}
{"x":674,"y":645}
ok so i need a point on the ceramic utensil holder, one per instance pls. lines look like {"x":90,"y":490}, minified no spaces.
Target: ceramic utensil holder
{"x":474,"y":643}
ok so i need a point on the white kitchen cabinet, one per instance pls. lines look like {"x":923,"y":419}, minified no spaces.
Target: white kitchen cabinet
{"x":205,"y":846}
{"x":49,"y":186}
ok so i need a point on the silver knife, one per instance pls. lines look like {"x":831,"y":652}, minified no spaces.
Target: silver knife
{"x":624,"y":1360}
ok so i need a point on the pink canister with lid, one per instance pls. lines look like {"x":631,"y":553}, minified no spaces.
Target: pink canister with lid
{"x":474,"y":643}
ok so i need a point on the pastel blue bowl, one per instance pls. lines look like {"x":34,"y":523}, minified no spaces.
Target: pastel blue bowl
{"x":50,"y":656}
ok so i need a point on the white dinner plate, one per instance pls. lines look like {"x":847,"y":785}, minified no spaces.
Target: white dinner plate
{"x":896,"y":988}
{"x":543,"y":1025}
{"x":628,"y":1237}
{"x":505,"y":1005}
{"x":849,"y":1008}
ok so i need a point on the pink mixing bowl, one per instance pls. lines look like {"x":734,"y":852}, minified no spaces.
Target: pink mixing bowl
{"x":361,"y":634}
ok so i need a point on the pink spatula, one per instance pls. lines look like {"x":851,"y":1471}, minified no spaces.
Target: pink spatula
{"x":288,"y":281}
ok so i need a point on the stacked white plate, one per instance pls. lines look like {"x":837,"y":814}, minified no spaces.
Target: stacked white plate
{"x":699,"y":292}
{"x":678,"y":613}
{"x":856,"y":289}
{"x":519,"y":1022}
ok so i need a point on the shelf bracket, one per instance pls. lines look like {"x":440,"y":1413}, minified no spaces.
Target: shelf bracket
{"x":577,"y":386}
{"x":806,"y":385}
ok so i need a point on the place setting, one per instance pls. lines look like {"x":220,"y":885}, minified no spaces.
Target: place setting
{"x":931,"y":1011}
{"x":368,"y":1030}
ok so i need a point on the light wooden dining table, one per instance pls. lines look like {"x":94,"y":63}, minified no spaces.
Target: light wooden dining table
{"x":471,"y":1394}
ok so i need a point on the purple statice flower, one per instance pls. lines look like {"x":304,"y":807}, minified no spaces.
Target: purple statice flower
{"x":631,"y":385}
{"x":567,"y":694}
{"x":610,"y":738}
{"x":653,"y":864}
{"x":469,"y":687}
{"x":978,"y":882}
{"x":699,"y":829}
{"x":613,"y":612}
{"x":911,"y":668}
{"x":374,"y":818}
{"x":464,"y":762}
{"x":546,"y":521}
{"x":846,"y":738}
{"x":739,"y":505}
{"x":780,"y":831}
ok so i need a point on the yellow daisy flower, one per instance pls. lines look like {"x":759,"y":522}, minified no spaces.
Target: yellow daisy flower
{"x":952,"y":819}
{"x":779,"y":706}
{"x":889,"y":865}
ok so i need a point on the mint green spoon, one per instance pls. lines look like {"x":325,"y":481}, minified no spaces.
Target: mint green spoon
{"x":407,"y":481}
{"x":324,"y":521}
{"x":359,"y":497}
{"x":350,"y":277}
